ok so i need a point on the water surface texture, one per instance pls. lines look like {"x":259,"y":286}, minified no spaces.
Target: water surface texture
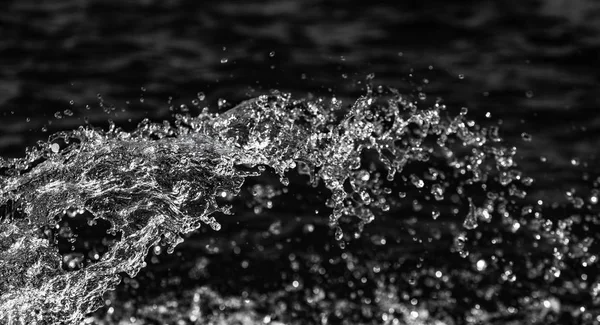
{"x":299,"y":162}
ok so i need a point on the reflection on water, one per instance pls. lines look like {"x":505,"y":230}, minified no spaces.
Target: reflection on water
{"x":527,"y":67}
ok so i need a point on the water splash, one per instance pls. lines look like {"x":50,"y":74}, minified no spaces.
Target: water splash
{"x":162,"y":180}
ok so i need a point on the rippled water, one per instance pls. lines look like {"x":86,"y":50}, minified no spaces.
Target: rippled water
{"x":332,"y":200}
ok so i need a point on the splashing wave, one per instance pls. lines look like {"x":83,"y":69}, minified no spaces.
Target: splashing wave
{"x":163,"y":180}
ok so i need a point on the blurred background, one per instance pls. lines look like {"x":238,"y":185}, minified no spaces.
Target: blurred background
{"x":531,"y":66}
{"x":530,"y":62}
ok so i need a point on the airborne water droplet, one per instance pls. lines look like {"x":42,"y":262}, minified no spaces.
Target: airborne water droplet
{"x":275,"y":228}
{"x":363,"y":175}
{"x":339,"y":234}
{"x":221,"y":103}
{"x":308,"y":228}
{"x":215,"y":226}
{"x":437,"y":191}
{"x":526,"y":136}
{"x":596,"y":289}
{"x":471,"y":219}
{"x":417,"y":182}
{"x":55,"y":147}
{"x":481,"y":265}
{"x":594,"y":197}
{"x":554,"y":271}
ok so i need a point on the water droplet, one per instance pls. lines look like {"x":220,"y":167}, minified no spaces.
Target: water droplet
{"x":471,"y":219}
{"x":275,"y":228}
{"x":308,"y":228}
{"x":215,"y":226}
{"x":416,"y":181}
{"x":54,"y":147}
{"x":438,"y":192}
{"x":363,"y":175}
{"x":515,"y":226}
{"x":221,"y":103}
{"x":526,"y":136}
{"x":285,"y":181}
{"x":339,"y":234}
{"x":508,"y":275}
{"x":578,"y":203}
{"x":596,"y":289}
{"x":555,"y":271}
{"x":481,"y":265}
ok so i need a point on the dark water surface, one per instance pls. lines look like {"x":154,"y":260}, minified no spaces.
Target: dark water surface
{"x":529,"y":67}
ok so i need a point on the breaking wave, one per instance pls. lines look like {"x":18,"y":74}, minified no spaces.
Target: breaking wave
{"x":155,"y":184}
